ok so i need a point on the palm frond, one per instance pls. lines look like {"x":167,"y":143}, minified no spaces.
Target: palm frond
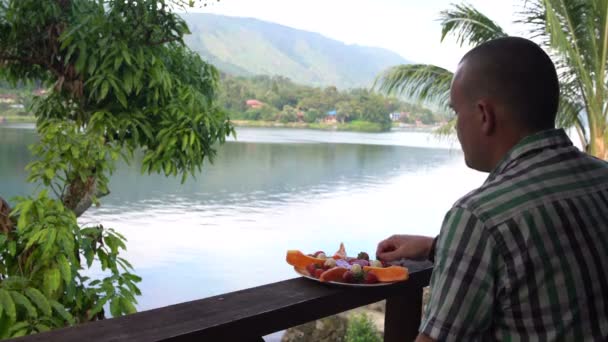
{"x":470,"y":26}
{"x":448,"y":129}
{"x":572,"y":33}
{"x":424,"y":83}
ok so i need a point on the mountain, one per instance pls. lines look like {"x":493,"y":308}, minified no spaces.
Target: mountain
{"x":246,"y":46}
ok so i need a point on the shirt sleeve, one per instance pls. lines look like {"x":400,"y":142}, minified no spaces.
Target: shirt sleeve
{"x":463,"y":280}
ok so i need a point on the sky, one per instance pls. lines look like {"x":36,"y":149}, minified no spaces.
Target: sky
{"x":408,"y":27}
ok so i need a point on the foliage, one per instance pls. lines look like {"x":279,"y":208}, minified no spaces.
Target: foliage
{"x":120,"y":79}
{"x":361,"y":329}
{"x":283,"y":99}
{"x":468,"y":25}
{"x":288,"y":114}
{"x":421,"y":82}
{"x":574,"y":33}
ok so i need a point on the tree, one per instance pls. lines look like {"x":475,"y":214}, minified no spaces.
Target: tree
{"x":120,"y":79}
{"x":312,"y":115}
{"x":575,"y":33}
{"x":288,"y":114}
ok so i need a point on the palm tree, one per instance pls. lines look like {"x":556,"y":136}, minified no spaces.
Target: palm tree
{"x":573,"y":32}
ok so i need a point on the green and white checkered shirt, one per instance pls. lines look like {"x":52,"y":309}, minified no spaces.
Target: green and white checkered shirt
{"x":525,"y":256}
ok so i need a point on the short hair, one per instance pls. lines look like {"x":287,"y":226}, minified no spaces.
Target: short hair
{"x":521,"y":75}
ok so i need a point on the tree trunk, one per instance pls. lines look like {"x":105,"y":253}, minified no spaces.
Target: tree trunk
{"x":597,"y":145}
{"x":6,"y":224}
{"x":79,"y":195}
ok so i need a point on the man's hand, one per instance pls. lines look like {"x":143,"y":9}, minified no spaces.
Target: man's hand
{"x":404,"y":246}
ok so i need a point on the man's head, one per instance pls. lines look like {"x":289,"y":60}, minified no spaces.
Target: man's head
{"x":503,"y":90}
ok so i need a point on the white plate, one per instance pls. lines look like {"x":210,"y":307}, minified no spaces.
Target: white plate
{"x":305,"y":274}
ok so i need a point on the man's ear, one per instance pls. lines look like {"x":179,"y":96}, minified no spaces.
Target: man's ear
{"x":487,"y":116}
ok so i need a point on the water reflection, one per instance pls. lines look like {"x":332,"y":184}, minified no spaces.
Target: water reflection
{"x":271,"y":191}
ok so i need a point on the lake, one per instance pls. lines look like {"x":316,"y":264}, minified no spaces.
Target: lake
{"x":269,"y":191}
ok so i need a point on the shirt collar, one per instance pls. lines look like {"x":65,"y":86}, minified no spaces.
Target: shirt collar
{"x":534,"y":143}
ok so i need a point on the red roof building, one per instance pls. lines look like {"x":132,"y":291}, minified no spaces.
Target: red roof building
{"x":254,"y":103}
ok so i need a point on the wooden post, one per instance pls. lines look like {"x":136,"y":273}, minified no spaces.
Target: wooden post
{"x":402,"y":317}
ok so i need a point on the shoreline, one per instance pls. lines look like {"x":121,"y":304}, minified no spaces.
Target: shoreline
{"x":362,"y":126}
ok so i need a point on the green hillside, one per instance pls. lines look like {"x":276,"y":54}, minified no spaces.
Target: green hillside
{"x":245,"y":46}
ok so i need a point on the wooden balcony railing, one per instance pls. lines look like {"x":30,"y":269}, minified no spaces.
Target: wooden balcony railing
{"x":249,"y":314}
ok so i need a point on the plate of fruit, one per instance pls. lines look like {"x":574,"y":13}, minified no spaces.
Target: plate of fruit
{"x":340,"y":269}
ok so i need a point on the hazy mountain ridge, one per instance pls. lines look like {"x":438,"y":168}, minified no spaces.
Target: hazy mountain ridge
{"x":246,"y":46}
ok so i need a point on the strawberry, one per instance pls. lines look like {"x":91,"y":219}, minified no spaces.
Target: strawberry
{"x":370,"y":278}
{"x":318,"y":272}
{"x":311,"y":268}
{"x":348,"y":277}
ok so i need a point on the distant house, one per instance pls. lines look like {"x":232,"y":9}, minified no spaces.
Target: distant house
{"x":395,"y":116}
{"x":8,"y":98}
{"x":254,"y":103}
{"x":331,"y":117}
{"x":300,"y":115}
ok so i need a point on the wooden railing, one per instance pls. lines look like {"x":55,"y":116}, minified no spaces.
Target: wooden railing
{"x":249,"y":314}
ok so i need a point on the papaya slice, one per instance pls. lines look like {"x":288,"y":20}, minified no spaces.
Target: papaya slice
{"x":333,"y":274}
{"x":300,"y":260}
{"x":388,"y":274}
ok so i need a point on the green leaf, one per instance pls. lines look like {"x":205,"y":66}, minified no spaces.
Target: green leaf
{"x":75,"y":152}
{"x":82,"y":59}
{"x":39,"y":300}
{"x":42,"y":327}
{"x":64,"y":267}
{"x":115,"y":308}
{"x":98,"y":306}
{"x":61,"y":311}
{"x":5,"y":324}
{"x":103,"y":259}
{"x":51,"y":281}
{"x":12,"y":248}
{"x":22,"y":301}
{"x":18,"y":327}
{"x":122,"y":98}
{"x":105,"y":87}
{"x":126,"y":56}
{"x":49,"y":242}
{"x":132,"y":277}
{"x":112,"y":242}
{"x":20,"y":333}
{"x":127,"y":306}
{"x":7,"y":305}
{"x":89,"y":255}
{"x":38,"y":237}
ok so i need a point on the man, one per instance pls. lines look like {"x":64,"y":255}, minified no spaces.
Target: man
{"x":525,"y":256}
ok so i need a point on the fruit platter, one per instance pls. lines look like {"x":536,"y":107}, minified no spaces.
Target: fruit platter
{"x":340,"y":269}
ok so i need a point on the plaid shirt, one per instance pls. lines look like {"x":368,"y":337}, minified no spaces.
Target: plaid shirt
{"x":525,"y":256}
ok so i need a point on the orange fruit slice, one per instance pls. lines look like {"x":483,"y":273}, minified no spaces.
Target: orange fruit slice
{"x":301,"y":260}
{"x":341,"y":253}
{"x":388,"y":274}
{"x":333,"y":274}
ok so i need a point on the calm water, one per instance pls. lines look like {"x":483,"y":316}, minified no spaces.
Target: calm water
{"x":269,"y":191}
